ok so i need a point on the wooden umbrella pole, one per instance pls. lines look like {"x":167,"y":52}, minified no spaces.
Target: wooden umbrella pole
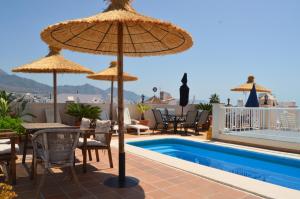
{"x":55,"y":95}
{"x":111,"y":99}
{"x":121,"y":105}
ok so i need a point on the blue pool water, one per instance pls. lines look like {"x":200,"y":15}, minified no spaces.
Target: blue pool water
{"x":269,"y":168}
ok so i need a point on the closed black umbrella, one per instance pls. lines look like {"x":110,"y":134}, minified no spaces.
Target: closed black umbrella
{"x":252,"y":100}
{"x":184,"y":93}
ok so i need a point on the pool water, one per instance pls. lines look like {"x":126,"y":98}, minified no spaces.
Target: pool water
{"x":273,"y":169}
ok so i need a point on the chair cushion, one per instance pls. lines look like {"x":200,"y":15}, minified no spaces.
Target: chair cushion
{"x":85,"y":123}
{"x":138,"y":126}
{"x":4,"y":141}
{"x":90,"y":143}
{"x":6,"y":148}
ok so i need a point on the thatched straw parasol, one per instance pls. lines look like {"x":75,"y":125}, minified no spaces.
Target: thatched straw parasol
{"x":119,"y":30}
{"x":111,"y":74}
{"x":53,"y":63}
{"x":249,"y":85}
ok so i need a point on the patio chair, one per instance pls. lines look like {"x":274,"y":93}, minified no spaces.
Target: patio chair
{"x":169,"y":113}
{"x":160,"y":120}
{"x":134,"y":124}
{"x":84,"y":125}
{"x":8,"y":154}
{"x":202,"y":119}
{"x":114,"y":127}
{"x":101,"y":141}
{"x":190,"y":121}
{"x":49,"y":116}
{"x":55,"y":148}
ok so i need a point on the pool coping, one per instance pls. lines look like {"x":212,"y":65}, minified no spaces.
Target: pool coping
{"x":250,"y":185}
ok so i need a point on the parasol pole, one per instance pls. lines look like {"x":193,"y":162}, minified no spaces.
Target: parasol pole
{"x":121,"y":106}
{"x":55,"y":96}
{"x":111,"y":99}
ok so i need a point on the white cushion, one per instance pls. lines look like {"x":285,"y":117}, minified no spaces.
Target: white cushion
{"x":85,"y":123}
{"x":6,"y":148}
{"x":90,"y":142}
{"x":102,"y":126}
{"x":4,"y":141}
{"x":138,"y":126}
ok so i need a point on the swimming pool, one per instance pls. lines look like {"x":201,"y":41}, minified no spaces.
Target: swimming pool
{"x":273,"y":169}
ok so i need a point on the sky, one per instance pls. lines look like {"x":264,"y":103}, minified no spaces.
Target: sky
{"x":232,"y":39}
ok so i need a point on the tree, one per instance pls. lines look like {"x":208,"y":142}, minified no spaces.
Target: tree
{"x":214,"y":98}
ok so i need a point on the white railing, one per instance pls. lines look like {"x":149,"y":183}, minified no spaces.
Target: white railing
{"x":248,"y":119}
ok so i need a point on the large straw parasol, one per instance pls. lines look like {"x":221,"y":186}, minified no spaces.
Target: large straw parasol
{"x":247,"y":87}
{"x":119,"y":30}
{"x":53,"y":63}
{"x":111,"y":74}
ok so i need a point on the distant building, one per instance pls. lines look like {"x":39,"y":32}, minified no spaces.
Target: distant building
{"x":164,"y":98}
{"x":79,"y":98}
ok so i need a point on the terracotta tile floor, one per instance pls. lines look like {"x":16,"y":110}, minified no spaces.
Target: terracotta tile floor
{"x":156,"y":181}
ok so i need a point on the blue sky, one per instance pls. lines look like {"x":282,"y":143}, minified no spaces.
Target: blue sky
{"x":232,"y":39}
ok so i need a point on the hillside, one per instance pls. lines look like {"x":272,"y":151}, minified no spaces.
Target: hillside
{"x":14,"y":83}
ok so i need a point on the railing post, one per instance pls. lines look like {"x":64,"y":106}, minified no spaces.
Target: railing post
{"x":218,"y":114}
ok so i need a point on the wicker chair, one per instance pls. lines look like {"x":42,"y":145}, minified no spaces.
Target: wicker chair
{"x":8,"y":153}
{"x":55,"y":148}
{"x":101,"y":141}
{"x":160,"y":120}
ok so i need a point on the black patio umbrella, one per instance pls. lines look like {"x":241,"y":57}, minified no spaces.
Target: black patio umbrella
{"x":252,"y":100}
{"x":184,"y":93}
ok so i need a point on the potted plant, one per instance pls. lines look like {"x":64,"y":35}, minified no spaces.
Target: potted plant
{"x":142,"y":108}
{"x":80,"y":111}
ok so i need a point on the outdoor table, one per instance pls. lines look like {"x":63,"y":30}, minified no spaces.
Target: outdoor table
{"x":30,"y":128}
{"x":176,"y":119}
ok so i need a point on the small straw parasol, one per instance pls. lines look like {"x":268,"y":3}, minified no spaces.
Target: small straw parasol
{"x":53,"y":63}
{"x":247,"y":87}
{"x":111,"y":74}
{"x":119,"y":30}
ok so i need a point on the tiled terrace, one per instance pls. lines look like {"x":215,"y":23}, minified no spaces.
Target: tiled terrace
{"x":156,"y":181}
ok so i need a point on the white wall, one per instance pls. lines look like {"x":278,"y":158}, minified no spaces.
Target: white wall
{"x":38,"y":109}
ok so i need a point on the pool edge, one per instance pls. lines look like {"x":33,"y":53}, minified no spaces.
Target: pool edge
{"x":249,"y":185}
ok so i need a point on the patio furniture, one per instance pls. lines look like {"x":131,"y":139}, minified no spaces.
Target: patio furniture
{"x":30,"y":128}
{"x":134,"y":124}
{"x":114,"y":127}
{"x":160,"y":120}
{"x":101,"y":141}
{"x":191,"y":121}
{"x":202,"y":118}
{"x":169,"y":113}
{"x":84,"y":126}
{"x":55,"y":148}
{"x":8,"y":153}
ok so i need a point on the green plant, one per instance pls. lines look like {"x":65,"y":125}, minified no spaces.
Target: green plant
{"x":4,"y":108}
{"x":204,"y":106}
{"x":81,"y":110}
{"x":142,"y":108}
{"x":6,"y":191}
{"x":214,"y":98}
{"x":9,"y":97}
{"x":12,"y":123}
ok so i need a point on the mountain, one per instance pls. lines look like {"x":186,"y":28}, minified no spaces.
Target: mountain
{"x":14,"y":83}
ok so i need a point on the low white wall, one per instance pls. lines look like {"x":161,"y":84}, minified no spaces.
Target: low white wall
{"x":38,"y":109}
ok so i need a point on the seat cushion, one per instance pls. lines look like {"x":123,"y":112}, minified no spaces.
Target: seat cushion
{"x":90,"y":142}
{"x":6,"y":148}
{"x":4,"y":141}
{"x":137,"y":126}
